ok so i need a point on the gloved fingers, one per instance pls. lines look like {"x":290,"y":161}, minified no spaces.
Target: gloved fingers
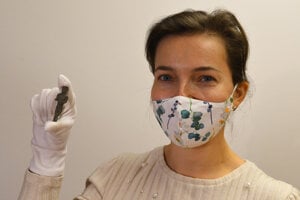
{"x":45,"y":101}
{"x":35,"y":108}
{"x":39,"y":106}
{"x":51,"y":103}
{"x":43,"y":105}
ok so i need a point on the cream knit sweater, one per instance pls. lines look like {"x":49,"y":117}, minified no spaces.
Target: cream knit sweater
{"x":147,"y":177}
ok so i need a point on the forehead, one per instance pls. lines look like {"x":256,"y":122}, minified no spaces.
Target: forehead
{"x":190,"y":51}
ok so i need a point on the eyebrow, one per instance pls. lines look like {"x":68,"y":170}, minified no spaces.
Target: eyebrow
{"x":201,"y":68}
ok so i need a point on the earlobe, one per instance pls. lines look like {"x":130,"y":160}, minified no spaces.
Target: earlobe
{"x":240,"y":93}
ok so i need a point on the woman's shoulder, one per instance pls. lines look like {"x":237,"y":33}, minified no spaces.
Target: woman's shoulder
{"x":261,"y":184}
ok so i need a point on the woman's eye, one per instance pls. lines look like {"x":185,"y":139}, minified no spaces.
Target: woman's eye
{"x":206,"y":79}
{"x":164,"y":77}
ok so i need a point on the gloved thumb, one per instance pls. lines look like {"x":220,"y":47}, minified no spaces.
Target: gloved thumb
{"x":63,"y":81}
{"x":60,"y":126}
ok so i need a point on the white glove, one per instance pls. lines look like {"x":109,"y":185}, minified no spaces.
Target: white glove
{"x":49,"y":142}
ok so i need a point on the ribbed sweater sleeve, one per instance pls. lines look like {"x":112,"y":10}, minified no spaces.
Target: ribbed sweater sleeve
{"x":36,"y":187}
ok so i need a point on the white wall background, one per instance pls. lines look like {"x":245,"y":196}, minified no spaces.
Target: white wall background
{"x":99,"y":45}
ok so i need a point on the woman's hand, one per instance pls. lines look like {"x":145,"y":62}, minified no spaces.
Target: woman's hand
{"x":50,"y":138}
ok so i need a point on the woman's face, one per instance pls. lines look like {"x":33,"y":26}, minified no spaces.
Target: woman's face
{"x":192,"y":66}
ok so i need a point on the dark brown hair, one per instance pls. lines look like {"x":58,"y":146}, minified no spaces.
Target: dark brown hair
{"x":219,"y":22}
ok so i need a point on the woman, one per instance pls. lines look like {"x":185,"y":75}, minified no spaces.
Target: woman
{"x":199,"y":62}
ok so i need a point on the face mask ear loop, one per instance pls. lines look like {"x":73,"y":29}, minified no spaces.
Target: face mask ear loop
{"x":231,"y":96}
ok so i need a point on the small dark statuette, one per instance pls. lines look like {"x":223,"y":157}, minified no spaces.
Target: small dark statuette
{"x":61,"y":99}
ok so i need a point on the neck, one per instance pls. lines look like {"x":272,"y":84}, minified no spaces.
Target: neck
{"x":211,"y":160}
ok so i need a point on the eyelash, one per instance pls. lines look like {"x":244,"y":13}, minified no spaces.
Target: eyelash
{"x":161,"y":77}
{"x":207,"y":78}
{"x":201,"y":79}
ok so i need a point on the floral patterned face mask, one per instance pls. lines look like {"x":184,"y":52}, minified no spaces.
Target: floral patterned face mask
{"x":190,"y":122}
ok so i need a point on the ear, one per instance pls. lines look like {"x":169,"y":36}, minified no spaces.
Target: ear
{"x":240,"y":93}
